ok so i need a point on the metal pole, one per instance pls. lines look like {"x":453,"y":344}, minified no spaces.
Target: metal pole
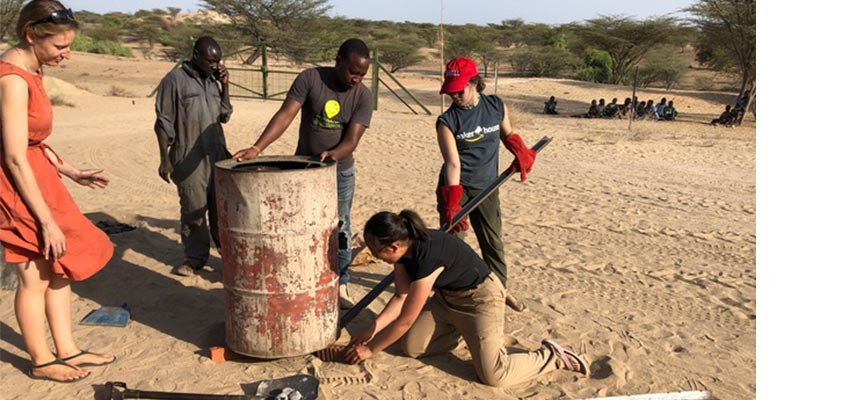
{"x":405,"y":90}
{"x":496,"y":83}
{"x":467,"y":208}
{"x":442,"y":60}
{"x":399,"y":97}
{"x":376,"y":68}
{"x":634,"y":99}
{"x":265,"y":69}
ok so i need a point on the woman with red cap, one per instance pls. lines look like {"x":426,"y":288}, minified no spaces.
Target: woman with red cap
{"x":469,"y":133}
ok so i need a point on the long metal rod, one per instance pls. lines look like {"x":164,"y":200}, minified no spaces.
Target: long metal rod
{"x":467,"y":208}
{"x":119,"y":391}
{"x":139,"y":394}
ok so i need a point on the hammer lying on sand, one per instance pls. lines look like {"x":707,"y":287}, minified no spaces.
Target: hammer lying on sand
{"x":297,"y":387}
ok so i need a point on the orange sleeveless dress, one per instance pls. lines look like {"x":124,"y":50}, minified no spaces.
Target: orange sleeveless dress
{"x":88,"y":248}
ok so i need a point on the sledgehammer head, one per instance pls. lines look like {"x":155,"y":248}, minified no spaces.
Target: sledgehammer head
{"x":116,"y":390}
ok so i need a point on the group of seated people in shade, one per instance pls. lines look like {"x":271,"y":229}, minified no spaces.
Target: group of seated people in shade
{"x":663,"y":111}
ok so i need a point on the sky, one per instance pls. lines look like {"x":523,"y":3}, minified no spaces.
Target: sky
{"x":454,"y":11}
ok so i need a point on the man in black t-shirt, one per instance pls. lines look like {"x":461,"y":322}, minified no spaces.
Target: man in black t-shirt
{"x":336,"y":109}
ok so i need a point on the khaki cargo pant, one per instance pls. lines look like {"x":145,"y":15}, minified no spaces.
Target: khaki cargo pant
{"x":478,"y":316}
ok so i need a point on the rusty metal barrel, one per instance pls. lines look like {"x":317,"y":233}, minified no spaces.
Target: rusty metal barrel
{"x":277,"y":219}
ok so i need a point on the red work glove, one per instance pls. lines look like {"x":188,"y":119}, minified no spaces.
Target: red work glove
{"x":524,"y":156}
{"x":450,"y":200}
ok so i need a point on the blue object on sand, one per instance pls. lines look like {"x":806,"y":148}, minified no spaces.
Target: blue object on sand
{"x":108,"y":316}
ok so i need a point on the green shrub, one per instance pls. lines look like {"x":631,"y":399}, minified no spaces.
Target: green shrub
{"x":665,"y":66}
{"x":88,"y":45}
{"x":541,"y":61}
{"x":597,"y":67}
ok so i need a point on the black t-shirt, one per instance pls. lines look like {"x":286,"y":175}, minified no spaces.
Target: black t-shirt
{"x":326,"y":112}
{"x":464,"y":269}
{"x":477,"y":133}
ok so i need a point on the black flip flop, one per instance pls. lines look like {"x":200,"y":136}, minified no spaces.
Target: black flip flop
{"x":55,"y":362}
{"x":84,"y":352}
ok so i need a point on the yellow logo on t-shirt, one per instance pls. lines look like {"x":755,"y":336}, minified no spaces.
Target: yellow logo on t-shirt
{"x":331,"y":108}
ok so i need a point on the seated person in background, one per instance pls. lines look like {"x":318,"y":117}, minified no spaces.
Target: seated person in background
{"x":593,"y":111}
{"x":648,"y":109}
{"x":727,"y":118}
{"x":658,"y":111}
{"x":626,"y":109}
{"x":640,"y":110}
{"x":550,"y":105}
{"x":669,"y":113}
{"x":611,"y":109}
{"x":740,"y":108}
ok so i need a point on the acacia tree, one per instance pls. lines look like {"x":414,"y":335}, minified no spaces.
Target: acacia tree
{"x":173,"y":12}
{"x":472,"y":41}
{"x":508,"y":32}
{"x":625,"y":39}
{"x":727,"y":40}
{"x":9,"y":10}
{"x":283,"y":24}
{"x":400,"y":52}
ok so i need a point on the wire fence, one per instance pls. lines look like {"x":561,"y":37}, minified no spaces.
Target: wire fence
{"x":255,"y":83}
{"x":272,"y":84}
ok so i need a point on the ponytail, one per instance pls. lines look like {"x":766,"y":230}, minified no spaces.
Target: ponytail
{"x":386,"y":227}
{"x":414,"y":225}
{"x":479,"y":83}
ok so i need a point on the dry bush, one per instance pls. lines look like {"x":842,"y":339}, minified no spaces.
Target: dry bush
{"x":59,"y":101}
{"x":117,"y":91}
{"x":704,"y":83}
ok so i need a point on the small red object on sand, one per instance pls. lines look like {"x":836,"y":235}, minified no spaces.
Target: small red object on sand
{"x":220,"y":354}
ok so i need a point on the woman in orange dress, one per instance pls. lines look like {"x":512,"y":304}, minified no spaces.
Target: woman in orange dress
{"x":46,"y":237}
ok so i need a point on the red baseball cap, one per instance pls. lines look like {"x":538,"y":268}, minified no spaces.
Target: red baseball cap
{"x":458,"y":72}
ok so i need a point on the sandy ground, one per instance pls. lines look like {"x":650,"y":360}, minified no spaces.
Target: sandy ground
{"x":635,"y":246}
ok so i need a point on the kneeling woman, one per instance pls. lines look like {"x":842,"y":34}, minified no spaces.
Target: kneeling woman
{"x":469,"y":303}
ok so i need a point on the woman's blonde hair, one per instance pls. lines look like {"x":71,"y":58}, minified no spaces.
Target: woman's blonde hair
{"x":35,"y":19}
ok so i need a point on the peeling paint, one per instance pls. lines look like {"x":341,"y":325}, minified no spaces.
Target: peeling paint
{"x":279,"y":257}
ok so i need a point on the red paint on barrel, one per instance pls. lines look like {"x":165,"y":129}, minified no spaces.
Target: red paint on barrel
{"x":279,"y":242}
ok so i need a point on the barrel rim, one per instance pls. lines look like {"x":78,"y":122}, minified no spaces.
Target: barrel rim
{"x":230,"y":164}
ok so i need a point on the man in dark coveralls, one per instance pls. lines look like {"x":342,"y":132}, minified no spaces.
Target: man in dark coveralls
{"x":192,"y":103}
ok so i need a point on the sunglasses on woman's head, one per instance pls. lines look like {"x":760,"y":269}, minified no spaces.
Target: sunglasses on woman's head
{"x":58,"y":17}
